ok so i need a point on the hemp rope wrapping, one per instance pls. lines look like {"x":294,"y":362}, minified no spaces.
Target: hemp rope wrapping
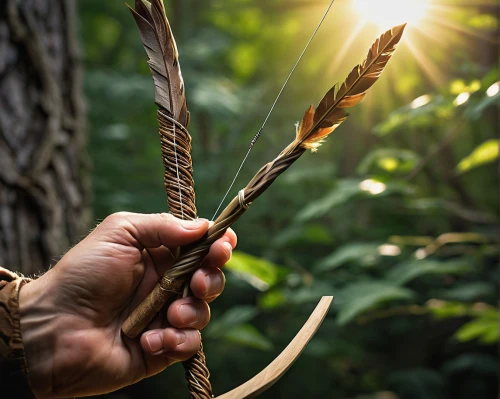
{"x":179,"y":184}
{"x":176,"y":153}
{"x":193,"y":255}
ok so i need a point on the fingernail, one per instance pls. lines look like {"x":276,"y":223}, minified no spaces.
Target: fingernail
{"x":188,"y":314}
{"x":181,"y":337}
{"x":214,"y":283}
{"x":228,"y":249}
{"x":194,"y":224}
{"x":155,"y":343}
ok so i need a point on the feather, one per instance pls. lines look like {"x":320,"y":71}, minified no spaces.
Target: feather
{"x":161,"y":49}
{"x":331,"y":112}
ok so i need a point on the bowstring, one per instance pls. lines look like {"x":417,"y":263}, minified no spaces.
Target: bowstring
{"x":257,"y":136}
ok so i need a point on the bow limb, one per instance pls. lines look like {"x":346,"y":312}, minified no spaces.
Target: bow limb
{"x":278,"y":367}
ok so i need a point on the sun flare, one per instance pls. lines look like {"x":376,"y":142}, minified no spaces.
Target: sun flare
{"x":388,"y":13}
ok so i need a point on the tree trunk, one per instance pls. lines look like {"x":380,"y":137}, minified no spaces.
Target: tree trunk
{"x":44,"y":191}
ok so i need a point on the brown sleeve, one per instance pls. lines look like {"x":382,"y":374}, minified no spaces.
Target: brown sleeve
{"x":14,"y":377}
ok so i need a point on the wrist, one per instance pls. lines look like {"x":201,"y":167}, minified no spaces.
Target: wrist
{"x":36,"y":317}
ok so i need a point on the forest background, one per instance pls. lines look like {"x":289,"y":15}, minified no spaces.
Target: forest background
{"x":397,"y":215}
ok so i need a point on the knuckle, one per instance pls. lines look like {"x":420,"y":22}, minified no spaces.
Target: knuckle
{"x":165,"y":216}
{"x":166,"y":219}
{"x":117,"y":219}
{"x":117,"y":226}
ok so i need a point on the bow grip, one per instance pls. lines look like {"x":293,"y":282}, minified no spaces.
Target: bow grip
{"x":165,"y":291}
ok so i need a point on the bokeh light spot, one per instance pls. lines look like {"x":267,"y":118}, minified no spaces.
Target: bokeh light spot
{"x":493,"y":90}
{"x":421,"y":101}
{"x":461,"y":99}
{"x":374,"y":187}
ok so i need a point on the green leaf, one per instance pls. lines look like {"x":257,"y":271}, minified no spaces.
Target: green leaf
{"x":486,"y":330}
{"x":358,"y":298}
{"x":260,"y":273}
{"x":317,"y":234}
{"x":310,"y":293}
{"x":491,"y":335}
{"x":446,"y":310}
{"x":313,"y":233}
{"x":389,"y":159}
{"x":230,"y":319}
{"x":487,"y":101}
{"x":248,"y":335}
{"x":312,"y":173}
{"x":470,"y":291}
{"x":348,"y":189}
{"x":484,"y":154}
{"x":344,"y":191}
{"x":410,"y":114}
{"x":363,"y":253}
{"x":408,"y":271}
{"x":272,"y":299}
{"x":243,"y":59}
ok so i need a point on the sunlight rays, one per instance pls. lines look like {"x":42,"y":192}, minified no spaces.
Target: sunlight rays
{"x":457,"y":28}
{"x":435,"y":28}
{"x":430,"y":24}
{"x":340,"y":56}
{"x":430,"y":69}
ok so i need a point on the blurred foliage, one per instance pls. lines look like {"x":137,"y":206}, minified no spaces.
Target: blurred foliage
{"x":397,"y":215}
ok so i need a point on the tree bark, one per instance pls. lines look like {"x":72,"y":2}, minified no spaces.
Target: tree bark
{"x":44,"y":189}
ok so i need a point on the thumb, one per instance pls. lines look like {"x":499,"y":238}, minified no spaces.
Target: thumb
{"x":153,"y":230}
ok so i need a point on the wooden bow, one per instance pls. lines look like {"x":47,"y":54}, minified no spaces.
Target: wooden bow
{"x":173,"y":118}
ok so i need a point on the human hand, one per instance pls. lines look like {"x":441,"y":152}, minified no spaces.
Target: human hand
{"x":71,"y":317}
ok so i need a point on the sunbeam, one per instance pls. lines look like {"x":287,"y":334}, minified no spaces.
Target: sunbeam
{"x":460,"y":29}
{"x":428,"y":67}
{"x":339,"y":58}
